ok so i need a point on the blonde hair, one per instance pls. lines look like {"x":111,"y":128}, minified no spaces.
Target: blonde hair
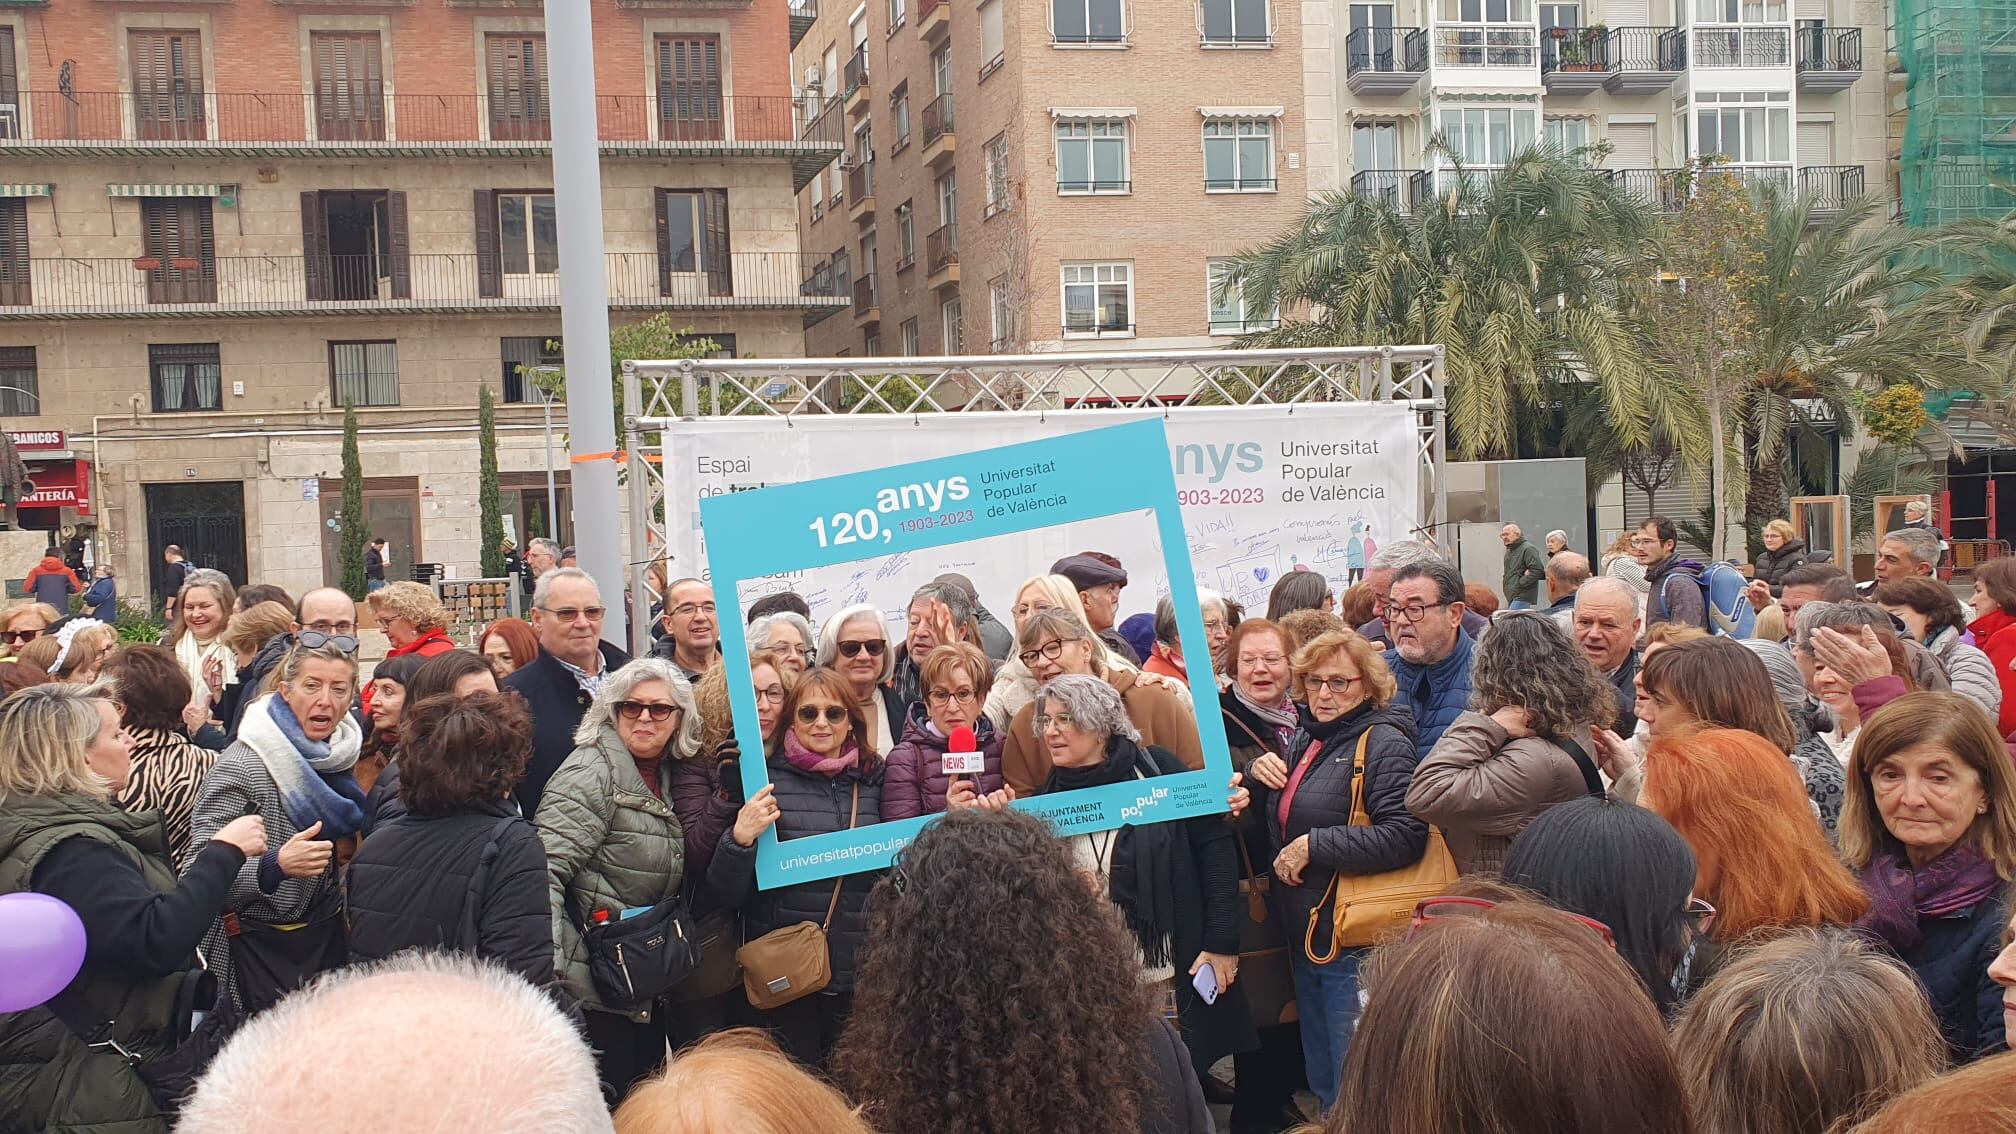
{"x":44,"y":732}
{"x":414,"y":602}
{"x":710,"y":697}
{"x":1673,"y":633}
{"x":1771,"y":626}
{"x":1379,"y":683}
{"x":736,"y":1081}
{"x":1063,"y":594}
{"x":1944,"y":720}
{"x":86,"y":643}
{"x":249,"y":630}
{"x":49,"y":614}
{"x":1782,"y":529}
{"x":40,"y":653}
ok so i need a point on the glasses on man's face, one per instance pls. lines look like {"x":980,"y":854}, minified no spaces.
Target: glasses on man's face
{"x":1046,"y":721}
{"x":1411,"y":612}
{"x":645,"y":711}
{"x":1052,"y":649}
{"x":332,"y":628}
{"x":1450,"y":908}
{"x":577,"y":613}
{"x":1337,"y":685}
{"x":316,"y":639}
{"x":939,"y":698}
{"x":873,"y":648}
{"x":834,"y":714}
{"x":18,"y":637}
{"x":689,"y":609}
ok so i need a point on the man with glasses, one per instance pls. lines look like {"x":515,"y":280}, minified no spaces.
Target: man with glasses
{"x":1677,"y":594}
{"x":1386,"y":563}
{"x":938,"y":616}
{"x":692,"y":638}
{"x":323,"y":615}
{"x":1099,"y":579}
{"x":559,"y":684}
{"x":1431,"y":654}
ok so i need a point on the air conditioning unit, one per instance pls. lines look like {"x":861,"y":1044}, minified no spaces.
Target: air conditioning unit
{"x":847,"y":161}
{"x":812,"y":76}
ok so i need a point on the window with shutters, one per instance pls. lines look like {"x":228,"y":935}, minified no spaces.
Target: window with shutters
{"x":992,"y":49}
{"x":519,"y":111}
{"x":354,"y":244}
{"x":186,"y":377}
{"x":689,"y":89}
{"x":349,"y":86}
{"x":10,"y":87}
{"x":364,"y":373}
{"x":180,"y":252}
{"x":15,"y":289}
{"x":167,"y":85}
{"x":693,"y":242}
{"x":528,"y":234}
{"x":520,"y":353}
{"x":20,"y":388}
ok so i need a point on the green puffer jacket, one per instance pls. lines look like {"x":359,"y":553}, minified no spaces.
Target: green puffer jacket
{"x":610,"y":845}
{"x":49,"y":1079}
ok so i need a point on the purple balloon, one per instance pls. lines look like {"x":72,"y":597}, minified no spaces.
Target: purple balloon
{"x":41,"y":949}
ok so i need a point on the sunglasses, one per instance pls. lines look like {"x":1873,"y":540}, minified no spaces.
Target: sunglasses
{"x":17,"y":637}
{"x":316,"y":639}
{"x":834,"y":714}
{"x":1449,"y":908}
{"x":872,"y":648}
{"x":640,"y":710}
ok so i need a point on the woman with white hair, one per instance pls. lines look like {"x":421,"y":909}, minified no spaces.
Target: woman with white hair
{"x":855,"y":644}
{"x":613,"y":843}
{"x":786,"y":634}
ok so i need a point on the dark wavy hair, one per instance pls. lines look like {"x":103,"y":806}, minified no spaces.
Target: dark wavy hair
{"x":458,"y":754}
{"x":997,"y":991}
{"x":437,"y":675}
{"x":1526,"y":659}
{"x":152,"y":687}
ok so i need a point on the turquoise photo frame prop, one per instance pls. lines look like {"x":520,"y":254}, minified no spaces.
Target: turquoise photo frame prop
{"x":817,"y":523}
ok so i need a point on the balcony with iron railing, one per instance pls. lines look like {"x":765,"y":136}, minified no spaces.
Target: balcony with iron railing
{"x":1830,"y":59}
{"x":936,"y":120}
{"x":866,"y":310}
{"x":1505,"y":46}
{"x":364,"y":120}
{"x":1831,"y":187}
{"x":1645,"y":60}
{"x":941,"y":255}
{"x":1394,"y":187}
{"x":934,"y":17}
{"x":1384,"y":61}
{"x":1742,"y":45}
{"x":1574,"y":60}
{"x":209,"y":286}
{"x":803,"y":14}
{"x":855,"y":76}
{"x":861,"y":190}
{"x":1659,"y":189}
{"x":1099,"y":324}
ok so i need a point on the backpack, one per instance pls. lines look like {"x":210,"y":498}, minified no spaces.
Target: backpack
{"x":1730,"y":614}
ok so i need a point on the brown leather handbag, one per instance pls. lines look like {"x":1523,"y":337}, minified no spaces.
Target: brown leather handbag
{"x":1372,"y":907}
{"x":786,"y":964}
{"x":1264,"y":970}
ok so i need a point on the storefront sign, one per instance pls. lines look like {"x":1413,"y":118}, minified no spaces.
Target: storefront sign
{"x":38,"y":440}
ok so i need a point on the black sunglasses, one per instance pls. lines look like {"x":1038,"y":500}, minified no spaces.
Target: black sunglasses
{"x":834,"y":714}
{"x":16,"y":637}
{"x":874,"y":648}
{"x":639,"y":710}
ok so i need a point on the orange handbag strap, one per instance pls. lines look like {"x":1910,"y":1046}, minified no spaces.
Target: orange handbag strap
{"x":1359,"y":818}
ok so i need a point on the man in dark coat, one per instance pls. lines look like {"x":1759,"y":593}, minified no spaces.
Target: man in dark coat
{"x":1524,"y":568}
{"x":1606,"y":627}
{"x":1431,"y":656}
{"x":558,"y":685}
{"x":1099,"y":579}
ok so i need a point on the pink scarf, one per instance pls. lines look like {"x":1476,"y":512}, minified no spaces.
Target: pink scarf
{"x":806,"y":760}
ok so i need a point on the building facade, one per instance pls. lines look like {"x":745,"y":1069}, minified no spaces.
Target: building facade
{"x":223,"y":220}
{"x":1103,"y":156}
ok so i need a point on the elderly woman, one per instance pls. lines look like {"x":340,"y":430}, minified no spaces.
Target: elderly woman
{"x":1053,"y":643}
{"x":1165,"y":658}
{"x":24,"y":621}
{"x":64,"y":756}
{"x":167,"y":766}
{"x":1014,"y":685}
{"x":1936,"y":620}
{"x":202,"y":612}
{"x":1930,"y":825}
{"x":291,"y":766}
{"x":462,"y":870}
{"x":1833,"y":690}
{"x":786,"y":634}
{"x":1783,"y":551}
{"x":1994,"y":630}
{"x":855,"y":645}
{"x":613,"y":843}
{"x":509,"y":645}
{"x":1525,"y":744}
{"x":1352,"y":749}
{"x":823,"y":778}
{"x":82,"y":645}
{"x":955,"y":679}
{"x":414,"y":621}
{"x":1176,"y":884}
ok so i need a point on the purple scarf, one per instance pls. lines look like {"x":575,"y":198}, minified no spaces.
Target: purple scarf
{"x":806,"y":760}
{"x":1899,"y":897}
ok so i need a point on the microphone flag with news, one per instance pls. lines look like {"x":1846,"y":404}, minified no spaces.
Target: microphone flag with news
{"x":962,"y":755}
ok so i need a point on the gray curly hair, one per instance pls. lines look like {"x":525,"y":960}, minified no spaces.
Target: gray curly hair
{"x":1091,"y":702}
{"x":617,"y":689}
{"x":1526,"y":661}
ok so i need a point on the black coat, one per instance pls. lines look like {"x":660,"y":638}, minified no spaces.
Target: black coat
{"x":557,"y":703}
{"x":808,"y":804}
{"x":1174,"y":1102}
{"x":1322,"y":810}
{"x":245,"y":688}
{"x":1772,"y":565}
{"x":1623,"y":681}
{"x":1952,"y":961}
{"x":412,"y":879}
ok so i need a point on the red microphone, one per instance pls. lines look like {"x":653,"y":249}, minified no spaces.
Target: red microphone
{"x":962,"y":753}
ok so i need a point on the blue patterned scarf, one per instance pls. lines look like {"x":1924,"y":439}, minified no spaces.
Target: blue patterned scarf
{"x":314,"y":776}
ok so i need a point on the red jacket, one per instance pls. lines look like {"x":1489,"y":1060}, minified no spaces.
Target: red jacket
{"x":50,"y":565}
{"x":1995,"y":633}
{"x":431,"y":643}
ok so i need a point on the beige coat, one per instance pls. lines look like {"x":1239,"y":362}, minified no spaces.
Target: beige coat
{"x":1481,"y":787}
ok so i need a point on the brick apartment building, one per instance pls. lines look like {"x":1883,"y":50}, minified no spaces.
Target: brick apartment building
{"x":220,"y":220}
{"x":1103,"y":154}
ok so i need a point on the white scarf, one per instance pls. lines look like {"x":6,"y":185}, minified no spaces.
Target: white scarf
{"x":193,"y":655}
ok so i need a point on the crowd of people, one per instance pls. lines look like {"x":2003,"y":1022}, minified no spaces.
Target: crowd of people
{"x":1593,"y":862}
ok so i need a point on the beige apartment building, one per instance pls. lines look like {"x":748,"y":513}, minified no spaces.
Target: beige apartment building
{"x":220,"y":222}
{"x":1051,"y":174}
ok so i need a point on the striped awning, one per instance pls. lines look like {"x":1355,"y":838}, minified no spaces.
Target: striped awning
{"x":164,"y":190}
{"x":27,"y":190}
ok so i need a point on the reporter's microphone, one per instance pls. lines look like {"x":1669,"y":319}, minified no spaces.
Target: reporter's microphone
{"x":962,"y":753}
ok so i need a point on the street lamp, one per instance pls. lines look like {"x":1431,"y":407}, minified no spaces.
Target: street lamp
{"x":546,"y":396}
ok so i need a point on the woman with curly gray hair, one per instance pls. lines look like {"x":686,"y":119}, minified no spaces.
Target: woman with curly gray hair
{"x":613,"y":843}
{"x":1525,"y":745}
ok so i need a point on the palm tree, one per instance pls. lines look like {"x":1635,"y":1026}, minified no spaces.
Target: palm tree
{"x":1974,"y":305}
{"x":1518,"y":275}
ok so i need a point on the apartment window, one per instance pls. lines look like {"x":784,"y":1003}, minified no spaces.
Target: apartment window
{"x":869,"y":260}
{"x":10,"y":88}
{"x":1739,"y":11}
{"x":15,"y":286}
{"x":349,"y":86}
{"x":1235,"y":21}
{"x":167,"y":85}
{"x":528,"y":234}
{"x":1239,"y":155}
{"x":693,"y":237}
{"x":909,"y":343}
{"x":180,"y":247}
{"x":953,"y":321}
{"x":1229,"y":313}
{"x":1088,"y":21}
{"x":689,"y":88}
{"x":1375,"y":145}
{"x":1746,"y":128}
{"x":996,"y":152}
{"x":1092,"y":155}
{"x":186,"y":377}
{"x":1487,"y":136}
{"x":906,"y":236}
{"x":364,"y":373}
{"x":20,"y":389}
{"x":1000,"y":311}
{"x":941,"y":70}
{"x":519,"y":354}
{"x":516,"y":83}
{"x":898,"y":13}
{"x":871,"y":346}
{"x":843,"y":274}
{"x":899,"y":112}
{"x":1566,"y":134}
{"x":1487,"y":11}
{"x":991,"y":36}
{"x":1563,"y":16}
{"x":1098,"y":298}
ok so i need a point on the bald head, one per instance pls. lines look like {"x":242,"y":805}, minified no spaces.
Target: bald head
{"x":1567,"y":572}
{"x":327,"y":610}
{"x":1606,"y":622}
{"x":444,"y":1043}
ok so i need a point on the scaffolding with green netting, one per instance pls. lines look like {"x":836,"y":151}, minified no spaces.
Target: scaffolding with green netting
{"x":1958,"y":157}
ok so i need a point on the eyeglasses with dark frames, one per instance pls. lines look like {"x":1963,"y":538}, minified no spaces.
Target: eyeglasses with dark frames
{"x":1051,"y":650}
{"x":645,"y":710}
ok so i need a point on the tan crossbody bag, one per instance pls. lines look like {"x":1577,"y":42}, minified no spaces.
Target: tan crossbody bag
{"x":789,"y":963}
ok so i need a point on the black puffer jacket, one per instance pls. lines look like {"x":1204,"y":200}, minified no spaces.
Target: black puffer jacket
{"x":808,"y":804}
{"x":1772,"y":565}
{"x":411,"y":881}
{"x":1321,"y":808}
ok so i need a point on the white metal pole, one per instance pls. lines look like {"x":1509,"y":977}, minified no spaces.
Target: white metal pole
{"x":584,"y":302}
{"x":552,"y":493}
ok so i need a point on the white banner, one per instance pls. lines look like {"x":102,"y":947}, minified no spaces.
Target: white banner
{"x":1264,"y":489}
